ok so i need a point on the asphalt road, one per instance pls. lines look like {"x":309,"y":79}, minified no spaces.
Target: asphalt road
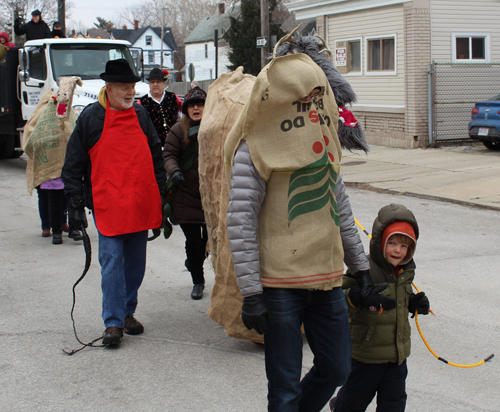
{"x":184,"y":361}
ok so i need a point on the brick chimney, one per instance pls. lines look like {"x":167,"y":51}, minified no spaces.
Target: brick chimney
{"x":136,"y":25}
{"x":124,"y":27}
{"x":221,"y":7}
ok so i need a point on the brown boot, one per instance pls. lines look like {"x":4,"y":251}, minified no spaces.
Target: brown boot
{"x":46,"y":233}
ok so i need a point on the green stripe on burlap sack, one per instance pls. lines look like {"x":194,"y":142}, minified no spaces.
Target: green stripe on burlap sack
{"x":295,"y":148}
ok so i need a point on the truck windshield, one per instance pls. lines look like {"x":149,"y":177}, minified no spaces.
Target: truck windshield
{"x":86,"y":60}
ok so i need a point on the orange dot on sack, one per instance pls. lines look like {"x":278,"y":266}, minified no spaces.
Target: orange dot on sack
{"x":331,"y":157}
{"x":317,"y":147}
{"x":327,"y":141}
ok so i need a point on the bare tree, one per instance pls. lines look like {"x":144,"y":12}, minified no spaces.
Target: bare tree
{"x":182,"y":16}
{"x":10,"y":9}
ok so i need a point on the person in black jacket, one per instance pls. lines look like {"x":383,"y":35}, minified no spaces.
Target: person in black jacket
{"x":114,"y":166}
{"x":34,"y":29}
{"x":57,"y":30}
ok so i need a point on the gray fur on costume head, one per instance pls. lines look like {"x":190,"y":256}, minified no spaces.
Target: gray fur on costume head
{"x":351,"y":138}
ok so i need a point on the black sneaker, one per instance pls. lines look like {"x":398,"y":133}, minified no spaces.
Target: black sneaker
{"x":112,"y":335}
{"x":132,"y":326}
{"x":56,"y":239}
{"x":75,"y":235}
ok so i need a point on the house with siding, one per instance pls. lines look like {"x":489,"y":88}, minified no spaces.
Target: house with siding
{"x":384,"y":48}
{"x":150,"y":41}
{"x":200,"y":46}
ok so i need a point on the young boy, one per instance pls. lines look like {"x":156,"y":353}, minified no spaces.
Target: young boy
{"x":381,"y":339}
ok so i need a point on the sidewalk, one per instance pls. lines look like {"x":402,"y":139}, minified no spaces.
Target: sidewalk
{"x":465,"y":174}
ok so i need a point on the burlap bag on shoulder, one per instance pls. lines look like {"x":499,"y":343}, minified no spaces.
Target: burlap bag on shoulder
{"x":225,"y":100}
{"x":45,"y":142}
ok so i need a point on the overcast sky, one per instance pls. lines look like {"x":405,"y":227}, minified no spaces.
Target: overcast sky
{"x":86,"y":11}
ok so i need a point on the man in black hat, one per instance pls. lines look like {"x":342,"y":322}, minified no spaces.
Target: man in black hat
{"x":36,"y":28}
{"x":114,"y":167}
{"x":161,"y":105}
{"x":57,"y":30}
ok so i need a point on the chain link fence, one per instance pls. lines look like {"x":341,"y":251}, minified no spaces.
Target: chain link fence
{"x":454,"y":88}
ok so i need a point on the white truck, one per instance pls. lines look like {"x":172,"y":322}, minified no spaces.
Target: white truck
{"x":27,"y":73}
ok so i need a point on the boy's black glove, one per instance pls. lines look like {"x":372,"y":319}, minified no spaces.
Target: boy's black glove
{"x":255,"y":314}
{"x":419,"y":303}
{"x":177,"y":177}
{"x":374,"y":301}
{"x":76,"y":213}
{"x":369,"y":294}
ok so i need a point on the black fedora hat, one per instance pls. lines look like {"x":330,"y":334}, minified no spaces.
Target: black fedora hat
{"x":119,"y":71}
{"x":157,"y":74}
{"x":36,"y":13}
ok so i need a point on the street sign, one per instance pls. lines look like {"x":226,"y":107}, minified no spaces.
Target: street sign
{"x":261,"y":41}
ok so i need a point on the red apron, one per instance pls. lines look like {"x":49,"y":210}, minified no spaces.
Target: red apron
{"x":124,"y":188}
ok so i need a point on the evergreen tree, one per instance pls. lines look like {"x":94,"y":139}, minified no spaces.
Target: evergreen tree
{"x":243,"y":33}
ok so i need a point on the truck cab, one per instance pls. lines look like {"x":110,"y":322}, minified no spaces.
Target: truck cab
{"x":39,"y":64}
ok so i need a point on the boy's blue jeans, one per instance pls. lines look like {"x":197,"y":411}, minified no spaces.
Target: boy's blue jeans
{"x":324,"y":315}
{"x":123,"y":263}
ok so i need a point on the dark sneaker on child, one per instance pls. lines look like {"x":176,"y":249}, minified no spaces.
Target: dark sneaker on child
{"x":112,"y":335}
{"x":75,"y":235}
{"x":132,"y":326}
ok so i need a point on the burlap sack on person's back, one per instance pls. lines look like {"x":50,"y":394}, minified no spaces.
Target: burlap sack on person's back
{"x":225,"y":100}
{"x":45,"y":142}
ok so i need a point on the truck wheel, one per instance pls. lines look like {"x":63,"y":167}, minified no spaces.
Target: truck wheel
{"x":492,"y":145}
{"x":6,"y":147}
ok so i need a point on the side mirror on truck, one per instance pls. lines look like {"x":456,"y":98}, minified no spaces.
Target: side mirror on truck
{"x":23,"y":65}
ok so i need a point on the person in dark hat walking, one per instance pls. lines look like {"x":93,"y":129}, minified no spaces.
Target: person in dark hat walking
{"x":36,"y":28}
{"x":160,"y":104}
{"x":114,"y":167}
{"x":181,"y":162}
{"x":57,"y":30}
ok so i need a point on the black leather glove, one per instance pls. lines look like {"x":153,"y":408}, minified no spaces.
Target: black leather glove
{"x":177,"y":177}
{"x":374,"y":301}
{"x":255,"y":314}
{"x":76,"y":213}
{"x":419,"y":303}
{"x":371,"y":298}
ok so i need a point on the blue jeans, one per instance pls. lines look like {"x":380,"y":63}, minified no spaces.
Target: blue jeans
{"x":324,"y":315}
{"x":123,"y":263}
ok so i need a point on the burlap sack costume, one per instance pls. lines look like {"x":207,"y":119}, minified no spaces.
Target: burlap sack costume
{"x":225,"y":100}
{"x":45,"y":142}
{"x":269,"y":120}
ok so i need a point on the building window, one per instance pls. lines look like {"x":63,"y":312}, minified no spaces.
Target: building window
{"x":151,"y":57}
{"x":381,"y":54}
{"x":206,"y":51}
{"x":149,"y":40}
{"x":348,"y":56}
{"x":471,"y":47}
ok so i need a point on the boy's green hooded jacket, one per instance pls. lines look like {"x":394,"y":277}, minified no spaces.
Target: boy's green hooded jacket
{"x":386,"y":337}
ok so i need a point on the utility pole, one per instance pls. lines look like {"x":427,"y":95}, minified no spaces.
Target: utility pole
{"x":61,"y":14}
{"x":162,"y":28}
{"x":216,"y":44}
{"x":264,"y":30}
